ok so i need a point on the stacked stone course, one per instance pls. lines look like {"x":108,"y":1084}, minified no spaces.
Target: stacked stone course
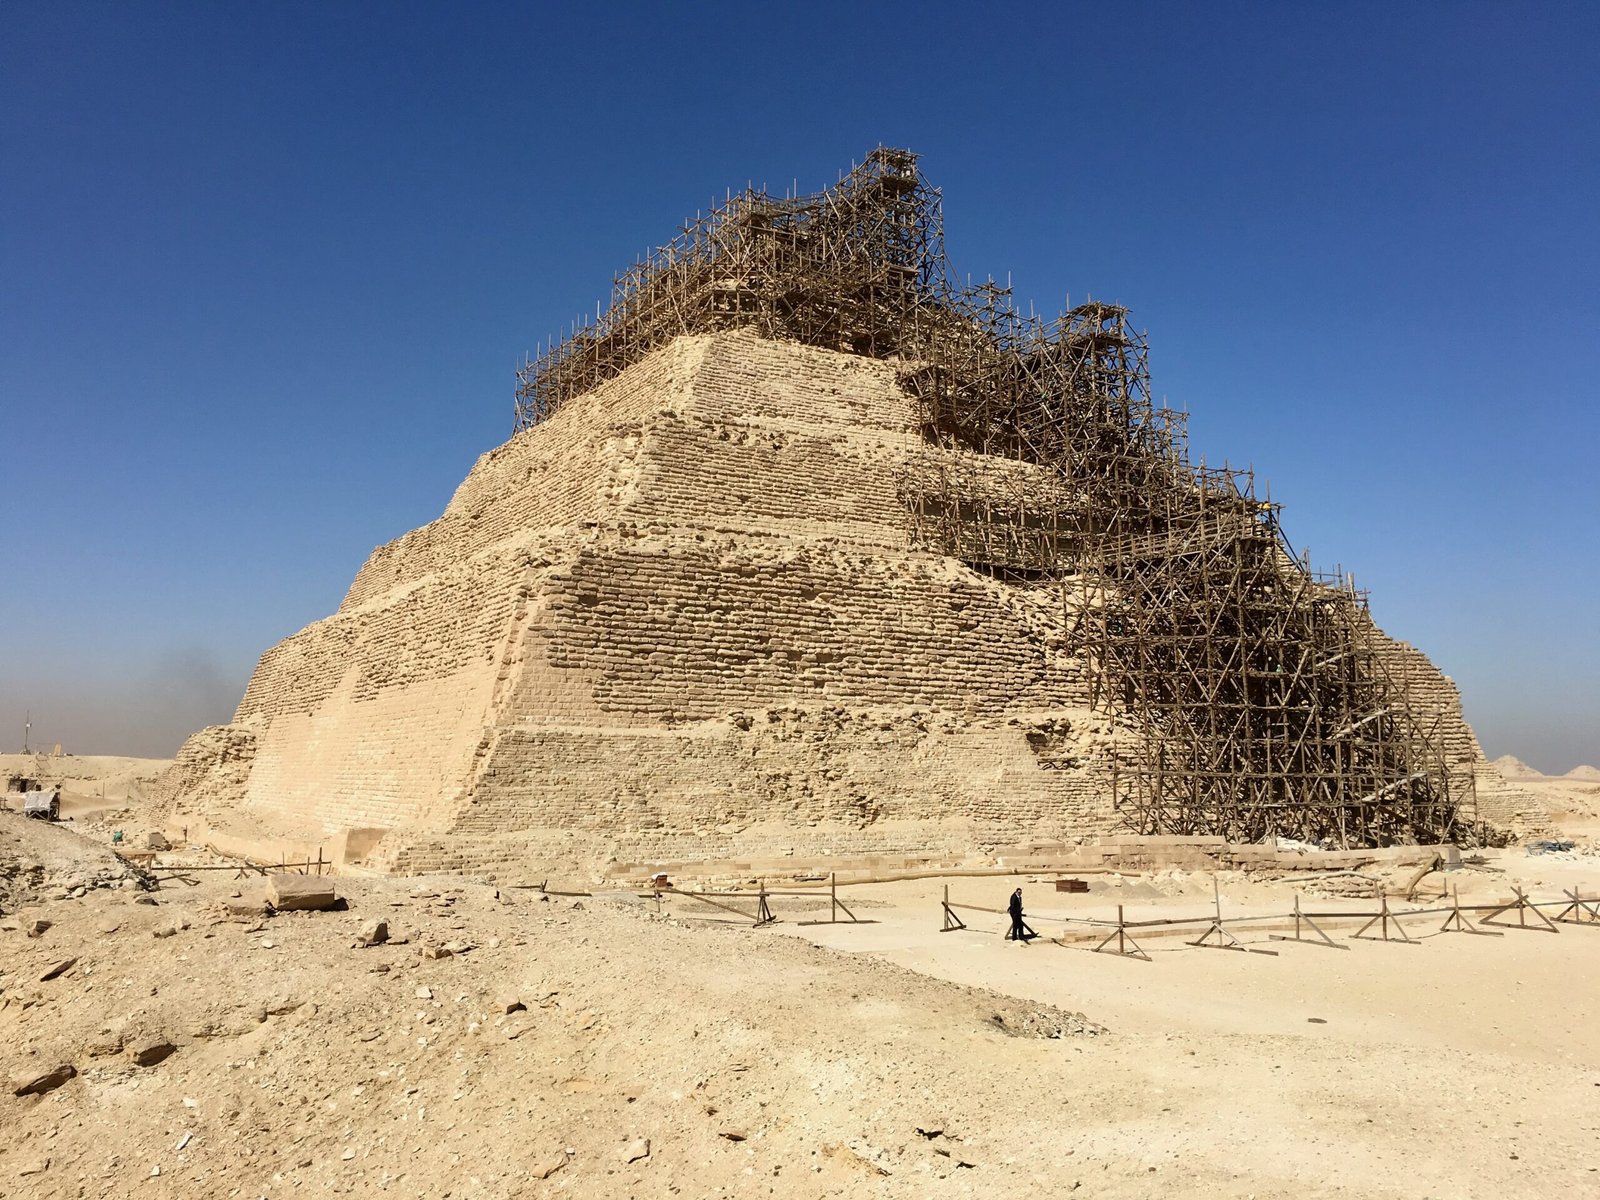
{"x":681,"y":620}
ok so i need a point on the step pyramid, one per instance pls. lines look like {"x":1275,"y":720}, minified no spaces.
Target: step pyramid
{"x":803,"y":554}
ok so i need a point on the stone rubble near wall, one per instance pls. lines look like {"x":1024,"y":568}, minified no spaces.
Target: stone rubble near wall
{"x":1506,"y":806}
{"x":209,"y":774}
{"x":680,"y":620}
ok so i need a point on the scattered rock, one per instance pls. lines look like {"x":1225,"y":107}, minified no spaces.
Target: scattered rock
{"x":733,"y":1135}
{"x":147,"y":1052}
{"x":57,"y":969}
{"x":248,"y":907}
{"x":436,"y":952}
{"x":36,"y":1082}
{"x":424,"y":993}
{"x":37,"y":929}
{"x":510,"y":1003}
{"x":374,"y":933}
{"x":548,"y":1167}
{"x":1044,"y":1022}
{"x":156,"y":840}
{"x":145,"y":900}
{"x":842,"y":1154}
{"x":37,"y":1166}
{"x":104,"y":1044}
{"x":637,"y":1149}
{"x":944,"y":1152}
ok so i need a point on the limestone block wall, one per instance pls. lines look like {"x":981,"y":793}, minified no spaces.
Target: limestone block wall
{"x":682,"y":619}
{"x":678,"y":617}
{"x":681,"y":630}
{"x":760,"y":567}
{"x":823,"y":781}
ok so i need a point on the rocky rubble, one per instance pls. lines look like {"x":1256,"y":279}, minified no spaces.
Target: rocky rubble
{"x":40,"y":861}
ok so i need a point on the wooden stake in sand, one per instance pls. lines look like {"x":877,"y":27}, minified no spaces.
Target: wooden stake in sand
{"x":951,"y":921}
{"x":1120,"y":934}
{"x":1225,"y":940}
{"x":1300,"y":918}
{"x":836,"y":906}
{"x":1580,"y":911}
{"x":1384,"y":915}
{"x":1522,"y":906}
{"x":1457,"y":922}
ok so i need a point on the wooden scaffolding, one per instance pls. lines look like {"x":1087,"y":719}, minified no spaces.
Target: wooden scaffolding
{"x":1266,"y":701}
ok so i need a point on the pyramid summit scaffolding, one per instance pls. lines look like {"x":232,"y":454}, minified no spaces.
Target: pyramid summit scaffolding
{"x":1265,"y":700}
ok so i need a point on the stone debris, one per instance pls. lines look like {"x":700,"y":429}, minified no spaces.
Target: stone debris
{"x":636,"y":1150}
{"x":36,"y":1082}
{"x":844,"y":1155}
{"x":150,"y":1051}
{"x":373,"y":933}
{"x":246,"y":906}
{"x":104,"y":1044}
{"x":56,"y":970}
{"x":1041,"y":1022}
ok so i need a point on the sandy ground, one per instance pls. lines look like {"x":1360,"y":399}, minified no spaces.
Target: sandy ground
{"x":664,"y":1054}
{"x":92,"y":785}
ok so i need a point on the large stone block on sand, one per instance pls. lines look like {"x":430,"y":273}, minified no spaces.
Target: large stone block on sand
{"x":288,"y":892}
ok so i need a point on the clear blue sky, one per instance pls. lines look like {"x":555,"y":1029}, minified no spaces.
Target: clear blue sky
{"x":266,"y":271}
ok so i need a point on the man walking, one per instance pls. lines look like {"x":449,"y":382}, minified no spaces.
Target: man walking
{"x":1019,"y":930}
